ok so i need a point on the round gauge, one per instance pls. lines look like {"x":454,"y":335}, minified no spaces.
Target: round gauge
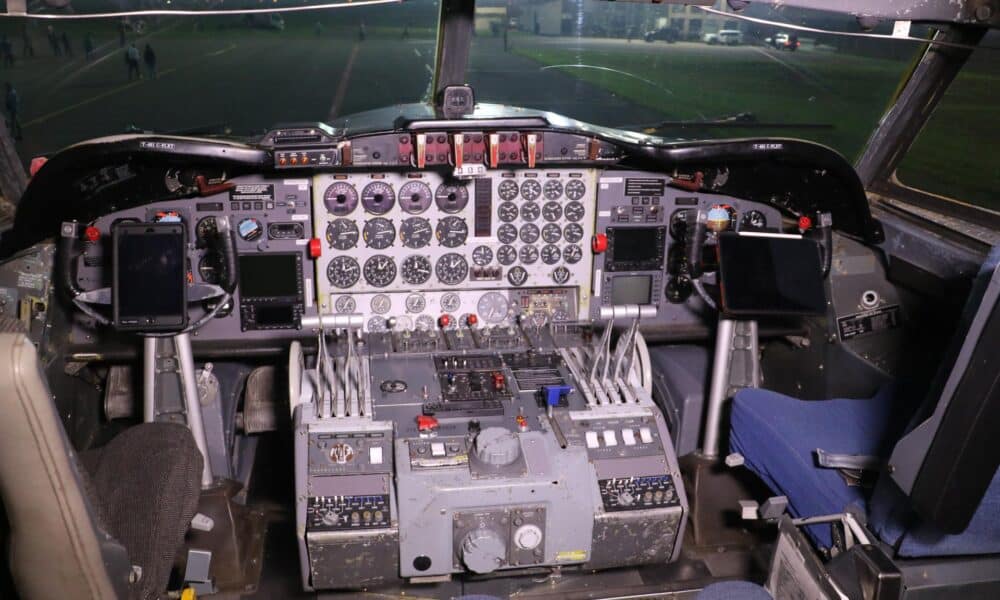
{"x":530,"y":211}
{"x":752,"y":220}
{"x":552,"y":189}
{"x":342,"y":234}
{"x":492,"y":307}
{"x":415,"y":303}
{"x":380,"y":270}
{"x":551,"y":233}
{"x":425,"y":322}
{"x":506,"y":255}
{"x":415,"y":197}
{"x":560,"y":275}
{"x":416,"y":269}
{"x":573,"y":233}
{"x":379,"y":233}
{"x":204,"y":231}
{"x":517,"y":276}
{"x":451,"y":198}
{"x":507,"y":233}
{"x":380,"y":304}
{"x":558,"y":314}
{"x":378,"y":197}
{"x":528,"y":254}
{"x":531,"y":189}
{"x":679,"y":223}
{"x":575,"y":189}
{"x":415,"y":232}
{"x":249,"y":229}
{"x":482,"y":256}
{"x":574,"y":211}
{"x":551,"y":254}
{"x":376,"y":325}
{"x":572,"y":254}
{"x":450,"y":302}
{"x":507,"y":190}
{"x":507,"y":211}
{"x":451,"y":232}
{"x":720,"y":217}
{"x":402,"y":323}
{"x":343,"y":272}
{"x":345,"y":304}
{"x":451,"y":269}
{"x":529,"y":233}
{"x":340,"y":198}
{"x":210,"y":267}
{"x":552,"y":211}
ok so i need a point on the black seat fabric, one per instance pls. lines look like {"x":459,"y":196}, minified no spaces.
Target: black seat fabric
{"x":146,"y":484}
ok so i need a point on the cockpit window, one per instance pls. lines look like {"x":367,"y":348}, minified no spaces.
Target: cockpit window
{"x":685,"y":72}
{"x":69,"y":80}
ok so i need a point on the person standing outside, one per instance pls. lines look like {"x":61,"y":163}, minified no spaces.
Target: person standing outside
{"x":88,"y":46}
{"x":149,"y":57}
{"x":13,"y":105}
{"x":132,"y":61}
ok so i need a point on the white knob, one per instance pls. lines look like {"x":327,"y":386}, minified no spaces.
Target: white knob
{"x":527,"y":537}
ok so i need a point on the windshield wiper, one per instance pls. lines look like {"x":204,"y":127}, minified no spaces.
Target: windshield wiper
{"x":741,"y":120}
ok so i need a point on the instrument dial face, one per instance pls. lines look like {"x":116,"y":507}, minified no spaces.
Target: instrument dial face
{"x":204,"y":231}
{"x":416,"y":269}
{"x":415,"y":303}
{"x":451,"y":269}
{"x":343,"y":272}
{"x":210,"y":267}
{"x":517,"y":276}
{"x":342,"y":234}
{"x":507,"y":190}
{"x":452,"y":232}
{"x":340,"y":198}
{"x":380,"y":270}
{"x":752,"y":220}
{"x":572,"y":254}
{"x":492,"y":307}
{"x":574,"y":211}
{"x":425,"y":323}
{"x":450,"y":302}
{"x":378,"y":197}
{"x":551,"y":254}
{"x":377,"y":325}
{"x":720,"y":217}
{"x":529,"y":233}
{"x":531,"y":190}
{"x":249,"y":229}
{"x":560,"y":275}
{"x":575,"y":189}
{"x":528,"y":254}
{"x":551,"y":233}
{"x":507,"y":233}
{"x":415,"y":232}
{"x":451,"y":198}
{"x":552,"y":211}
{"x":530,"y":211}
{"x":415,"y":197}
{"x":573,"y":233}
{"x":506,"y":255}
{"x":553,"y":189}
{"x":379,"y":233}
{"x":507,"y":211}
{"x":381,"y":304}
{"x":345,"y":304}
{"x":482,"y":256}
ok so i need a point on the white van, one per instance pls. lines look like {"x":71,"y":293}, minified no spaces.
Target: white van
{"x":730,"y":37}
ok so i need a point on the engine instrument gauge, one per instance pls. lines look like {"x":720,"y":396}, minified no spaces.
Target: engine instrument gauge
{"x":482,"y":256}
{"x":345,"y":304}
{"x":451,"y":232}
{"x":574,"y":211}
{"x":379,"y":233}
{"x":416,"y":269}
{"x":572,"y":254}
{"x":415,"y":303}
{"x":552,"y":189}
{"x":507,"y":190}
{"x":492,"y":307}
{"x":415,"y":197}
{"x":552,"y":211}
{"x":415,"y":232}
{"x":378,"y":197}
{"x":380,"y":304}
{"x":204,"y":231}
{"x":340,"y":198}
{"x":377,"y":325}
{"x":753,"y":220}
{"x":528,"y":254}
{"x":530,"y":211}
{"x":342,"y":234}
{"x":210,"y":267}
{"x":575,"y":189}
{"x":573,"y":233}
{"x":451,"y":269}
{"x":529,"y":233}
{"x":551,"y":233}
{"x":343,"y":272}
{"x":507,"y":233}
{"x":507,"y":211}
{"x":425,"y":323}
{"x":531,"y":190}
{"x":450,"y":302}
{"x":517,"y":276}
{"x":506,"y":255}
{"x":551,"y":254}
{"x":380,"y":270}
{"x":451,"y":198}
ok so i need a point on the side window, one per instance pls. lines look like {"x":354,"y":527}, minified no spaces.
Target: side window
{"x":955,"y":155}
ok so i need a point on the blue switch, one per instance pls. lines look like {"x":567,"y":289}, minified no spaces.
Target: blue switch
{"x":554,"y":393}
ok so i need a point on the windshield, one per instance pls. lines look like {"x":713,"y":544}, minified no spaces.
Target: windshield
{"x":78,"y":79}
{"x":668,"y":69}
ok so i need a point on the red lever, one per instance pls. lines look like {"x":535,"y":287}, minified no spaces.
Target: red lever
{"x":426,"y":423}
{"x":444,"y":321}
{"x":315,"y":248}
{"x":471,"y":320}
{"x":207,"y":189}
{"x":599,"y":243}
{"x":805,"y":223}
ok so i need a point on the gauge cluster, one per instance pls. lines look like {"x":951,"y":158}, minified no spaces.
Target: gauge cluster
{"x":398,"y":237}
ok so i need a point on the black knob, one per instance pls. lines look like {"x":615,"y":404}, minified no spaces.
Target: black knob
{"x":679,"y":289}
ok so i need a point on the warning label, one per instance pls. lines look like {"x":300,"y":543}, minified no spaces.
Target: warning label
{"x":260,"y":192}
{"x":870,"y":321}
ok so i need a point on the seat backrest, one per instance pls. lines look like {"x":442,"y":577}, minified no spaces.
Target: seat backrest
{"x":56,"y":548}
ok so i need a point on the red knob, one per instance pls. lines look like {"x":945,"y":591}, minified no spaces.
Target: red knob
{"x":426,"y":423}
{"x":444,"y":321}
{"x":91,"y":234}
{"x":315,"y":248}
{"x":805,"y":223}
{"x":599,"y":243}
{"x":471,"y":320}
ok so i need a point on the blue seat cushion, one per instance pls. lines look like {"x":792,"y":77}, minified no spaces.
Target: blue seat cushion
{"x":734,"y":590}
{"x":778,"y":436}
